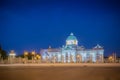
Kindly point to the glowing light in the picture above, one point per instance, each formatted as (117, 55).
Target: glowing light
(33, 53)
(25, 53)
(12, 53)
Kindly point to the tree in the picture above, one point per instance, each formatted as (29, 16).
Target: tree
(3, 54)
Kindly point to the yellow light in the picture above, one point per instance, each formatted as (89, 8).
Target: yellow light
(110, 57)
(37, 55)
(33, 53)
(25, 53)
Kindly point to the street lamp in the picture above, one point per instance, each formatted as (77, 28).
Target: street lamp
(25, 54)
(33, 55)
(38, 57)
(12, 56)
(110, 58)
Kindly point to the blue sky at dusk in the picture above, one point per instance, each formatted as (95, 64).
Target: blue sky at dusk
(35, 24)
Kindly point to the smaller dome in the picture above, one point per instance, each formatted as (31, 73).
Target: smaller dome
(71, 37)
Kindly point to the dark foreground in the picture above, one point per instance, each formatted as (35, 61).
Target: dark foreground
(59, 73)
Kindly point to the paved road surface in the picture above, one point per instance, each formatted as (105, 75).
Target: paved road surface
(59, 73)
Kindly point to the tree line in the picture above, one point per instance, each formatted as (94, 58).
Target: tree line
(3, 54)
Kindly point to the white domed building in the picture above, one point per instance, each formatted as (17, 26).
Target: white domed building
(72, 52)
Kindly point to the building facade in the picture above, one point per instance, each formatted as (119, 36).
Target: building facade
(71, 52)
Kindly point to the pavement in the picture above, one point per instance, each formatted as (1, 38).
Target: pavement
(68, 64)
(60, 71)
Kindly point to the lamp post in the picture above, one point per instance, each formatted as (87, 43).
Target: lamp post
(33, 56)
(12, 56)
(25, 56)
(110, 59)
(38, 57)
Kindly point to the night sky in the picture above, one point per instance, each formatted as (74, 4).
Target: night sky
(35, 24)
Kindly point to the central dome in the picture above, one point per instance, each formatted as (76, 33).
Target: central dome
(71, 40)
(71, 37)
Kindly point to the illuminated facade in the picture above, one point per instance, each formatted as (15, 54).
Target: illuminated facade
(71, 52)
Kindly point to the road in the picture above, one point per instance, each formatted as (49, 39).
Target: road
(53, 72)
